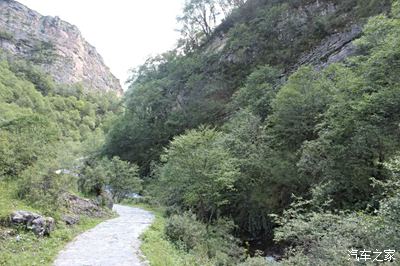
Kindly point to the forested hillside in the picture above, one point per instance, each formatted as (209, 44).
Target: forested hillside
(45, 130)
(258, 133)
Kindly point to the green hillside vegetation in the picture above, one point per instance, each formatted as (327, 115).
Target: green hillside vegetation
(301, 164)
(44, 127)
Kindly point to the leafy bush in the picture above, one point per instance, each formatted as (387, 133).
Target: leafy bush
(325, 237)
(198, 173)
(93, 177)
(214, 241)
(43, 52)
(255, 261)
(43, 188)
(119, 177)
(185, 231)
(5, 35)
(23, 141)
(43, 82)
(123, 179)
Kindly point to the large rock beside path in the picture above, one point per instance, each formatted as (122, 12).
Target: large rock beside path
(40, 225)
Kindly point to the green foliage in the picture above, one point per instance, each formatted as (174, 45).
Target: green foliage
(119, 177)
(255, 261)
(198, 173)
(162, 252)
(156, 111)
(17, 92)
(321, 237)
(185, 231)
(23, 142)
(25, 70)
(214, 241)
(123, 179)
(94, 177)
(7, 36)
(9, 200)
(43, 52)
(298, 107)
(259, 91)
(43, 187)
(358, 132)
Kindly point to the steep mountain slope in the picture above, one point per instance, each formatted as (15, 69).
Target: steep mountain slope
(175, 91)
(57, 46)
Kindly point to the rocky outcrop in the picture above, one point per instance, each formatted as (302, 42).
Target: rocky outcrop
(79, 206)
(333, 49)
(40, 225)
(55, 45)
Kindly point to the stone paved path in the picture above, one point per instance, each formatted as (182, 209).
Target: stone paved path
(112, 243)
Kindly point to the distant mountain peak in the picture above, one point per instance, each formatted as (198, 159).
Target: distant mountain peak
(57, 46)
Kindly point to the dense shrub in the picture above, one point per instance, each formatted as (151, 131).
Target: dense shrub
(185, 231)
(43, 188)
(214, 241)
(197, 173)
(325, 237)
(118, 177)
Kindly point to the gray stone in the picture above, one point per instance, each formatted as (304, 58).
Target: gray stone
(40, 225)
(80, 206)
(332, 49)
(70, 219)
(43, 226)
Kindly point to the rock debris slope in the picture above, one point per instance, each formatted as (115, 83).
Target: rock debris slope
(111, 243)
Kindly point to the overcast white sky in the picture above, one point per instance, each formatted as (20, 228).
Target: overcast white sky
(124, 32)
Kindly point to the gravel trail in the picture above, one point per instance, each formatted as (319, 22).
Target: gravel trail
(112, 243)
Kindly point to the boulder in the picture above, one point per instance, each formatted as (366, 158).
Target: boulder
(23, 217)
(40, 225)
(80, 206)
(70, 219)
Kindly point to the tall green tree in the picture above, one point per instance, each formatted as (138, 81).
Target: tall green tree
(198, 173)
(123, 179)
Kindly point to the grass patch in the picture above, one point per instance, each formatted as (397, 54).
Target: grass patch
(23, 248)
(8, 201)
(31, 250)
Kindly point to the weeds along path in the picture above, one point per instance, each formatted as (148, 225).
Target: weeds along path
(113, 242)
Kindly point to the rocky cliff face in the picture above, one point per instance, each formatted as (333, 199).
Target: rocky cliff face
(310, 32)
(55, 45)
(332, 49)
